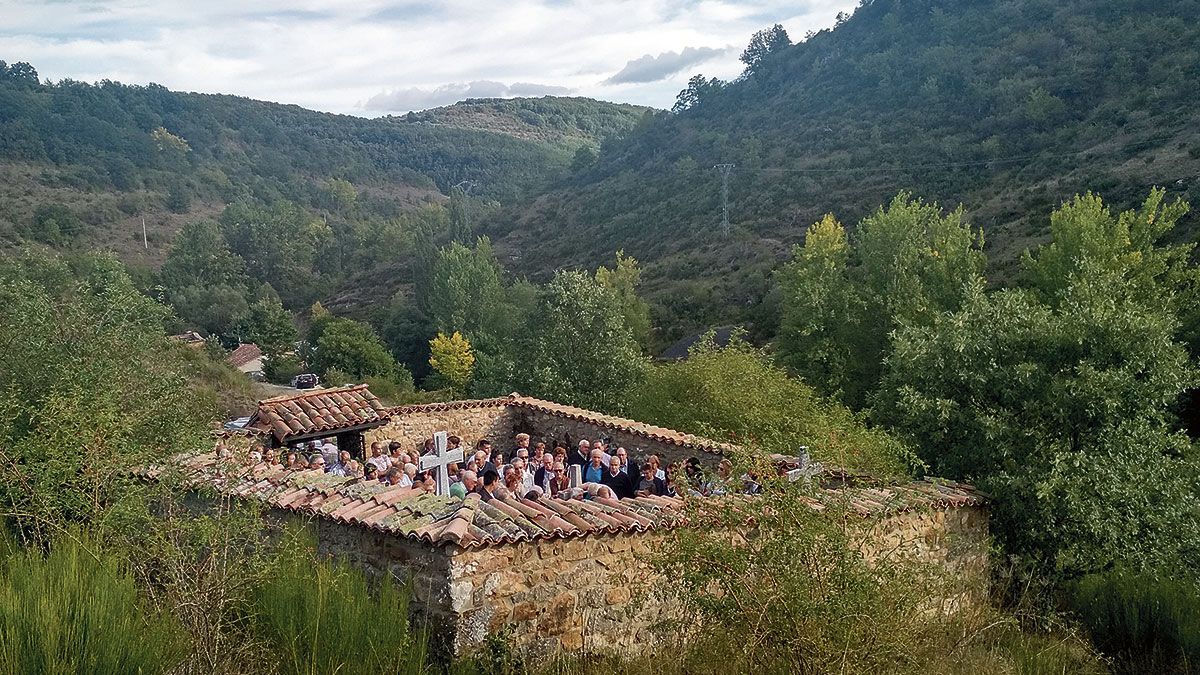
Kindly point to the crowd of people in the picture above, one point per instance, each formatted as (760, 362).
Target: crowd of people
(521, 472)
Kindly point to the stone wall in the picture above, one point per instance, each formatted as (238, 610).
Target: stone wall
(554, 595)
(954, 538)
(562, 430)
(412, 425)
(559, 594)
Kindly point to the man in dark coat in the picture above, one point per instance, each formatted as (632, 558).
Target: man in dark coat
(617, 481)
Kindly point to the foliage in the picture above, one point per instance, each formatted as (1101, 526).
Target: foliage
(201, 565)
(624, 279)
(322, 618)
(280, 243)
(78, 610)
(1006, 106)
(1147, 624)
(1061, 406)
(797, 594)
(906, 264)
(281, 369)
(89, 388)
(585, 353)
(466, 290)
(736, 393)
(764, 43)
(270, 326)
(354, 348)
(452, 360)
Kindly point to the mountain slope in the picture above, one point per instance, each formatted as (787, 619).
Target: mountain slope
(1007, 107)
(569, 122)
(94, 151)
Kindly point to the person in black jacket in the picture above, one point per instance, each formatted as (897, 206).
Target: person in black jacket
(629, 467)
(580, 455)
(545, 472)
(617, 481)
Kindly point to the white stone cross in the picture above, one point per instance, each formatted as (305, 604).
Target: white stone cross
(576, 473)
(441, 460)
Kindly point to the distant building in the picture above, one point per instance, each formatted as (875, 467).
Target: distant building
(247, 358)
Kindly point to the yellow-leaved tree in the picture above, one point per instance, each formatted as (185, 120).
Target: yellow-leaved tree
(452, 360)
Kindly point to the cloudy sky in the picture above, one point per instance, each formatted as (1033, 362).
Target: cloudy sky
(375, 57)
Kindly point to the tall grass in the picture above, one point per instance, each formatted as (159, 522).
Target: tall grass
(1143, 622)
(77, 611)
(322, 617)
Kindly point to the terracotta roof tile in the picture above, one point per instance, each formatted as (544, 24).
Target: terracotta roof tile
(320, 411)
(245, 353)
(415, 514)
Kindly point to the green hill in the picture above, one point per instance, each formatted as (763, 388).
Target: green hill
(83, 164)
(1007, 107)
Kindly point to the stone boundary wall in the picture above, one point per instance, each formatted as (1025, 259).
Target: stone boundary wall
(560, 595)
(559, 429)
(581, 594)
(471, 420)
(589, 593)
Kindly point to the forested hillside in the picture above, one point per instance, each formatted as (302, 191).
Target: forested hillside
(1008, 107)
(83, 163)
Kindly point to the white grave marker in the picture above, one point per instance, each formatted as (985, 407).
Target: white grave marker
(441, 460)
(576, 473)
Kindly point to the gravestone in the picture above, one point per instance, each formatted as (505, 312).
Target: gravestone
(440, 460)
(576, 474)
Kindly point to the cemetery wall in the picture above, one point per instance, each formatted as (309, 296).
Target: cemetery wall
(470, 420)
(551, 595)
(592, 593)
(556, 428)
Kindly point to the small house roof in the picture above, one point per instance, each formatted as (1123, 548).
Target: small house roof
(320, 412)
(245, 353)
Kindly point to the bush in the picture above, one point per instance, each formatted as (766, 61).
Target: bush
(322, 618)
(737, 394)
(77, 611)
(797, 594)
(1146, 623)
(281, 369)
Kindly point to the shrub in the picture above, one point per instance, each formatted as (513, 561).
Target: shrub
(77, 611)
(736, 393)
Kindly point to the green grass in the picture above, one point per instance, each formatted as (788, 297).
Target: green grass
(322, 617)
(78, 611)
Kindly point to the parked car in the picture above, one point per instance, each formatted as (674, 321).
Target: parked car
(306, 381)
(239, 423)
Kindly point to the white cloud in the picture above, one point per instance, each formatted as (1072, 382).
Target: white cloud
(369, 56)
(653, 68)
(415, 98)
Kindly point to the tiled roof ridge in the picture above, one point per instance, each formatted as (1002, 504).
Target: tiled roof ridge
(311, 392)
(449, 405)
(420, 516)
(643, 429)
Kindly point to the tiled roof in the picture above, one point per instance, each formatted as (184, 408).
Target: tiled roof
(649, 431)
(245, 353)
(421, 516)
(319, 411)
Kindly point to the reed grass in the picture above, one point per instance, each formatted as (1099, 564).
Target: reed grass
(1144, 622)
(78, 611)
(323, 617)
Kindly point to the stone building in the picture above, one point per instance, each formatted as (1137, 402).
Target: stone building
(542, 568)
(345, 413)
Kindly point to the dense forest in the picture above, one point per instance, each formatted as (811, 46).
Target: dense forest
(1007, 107)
